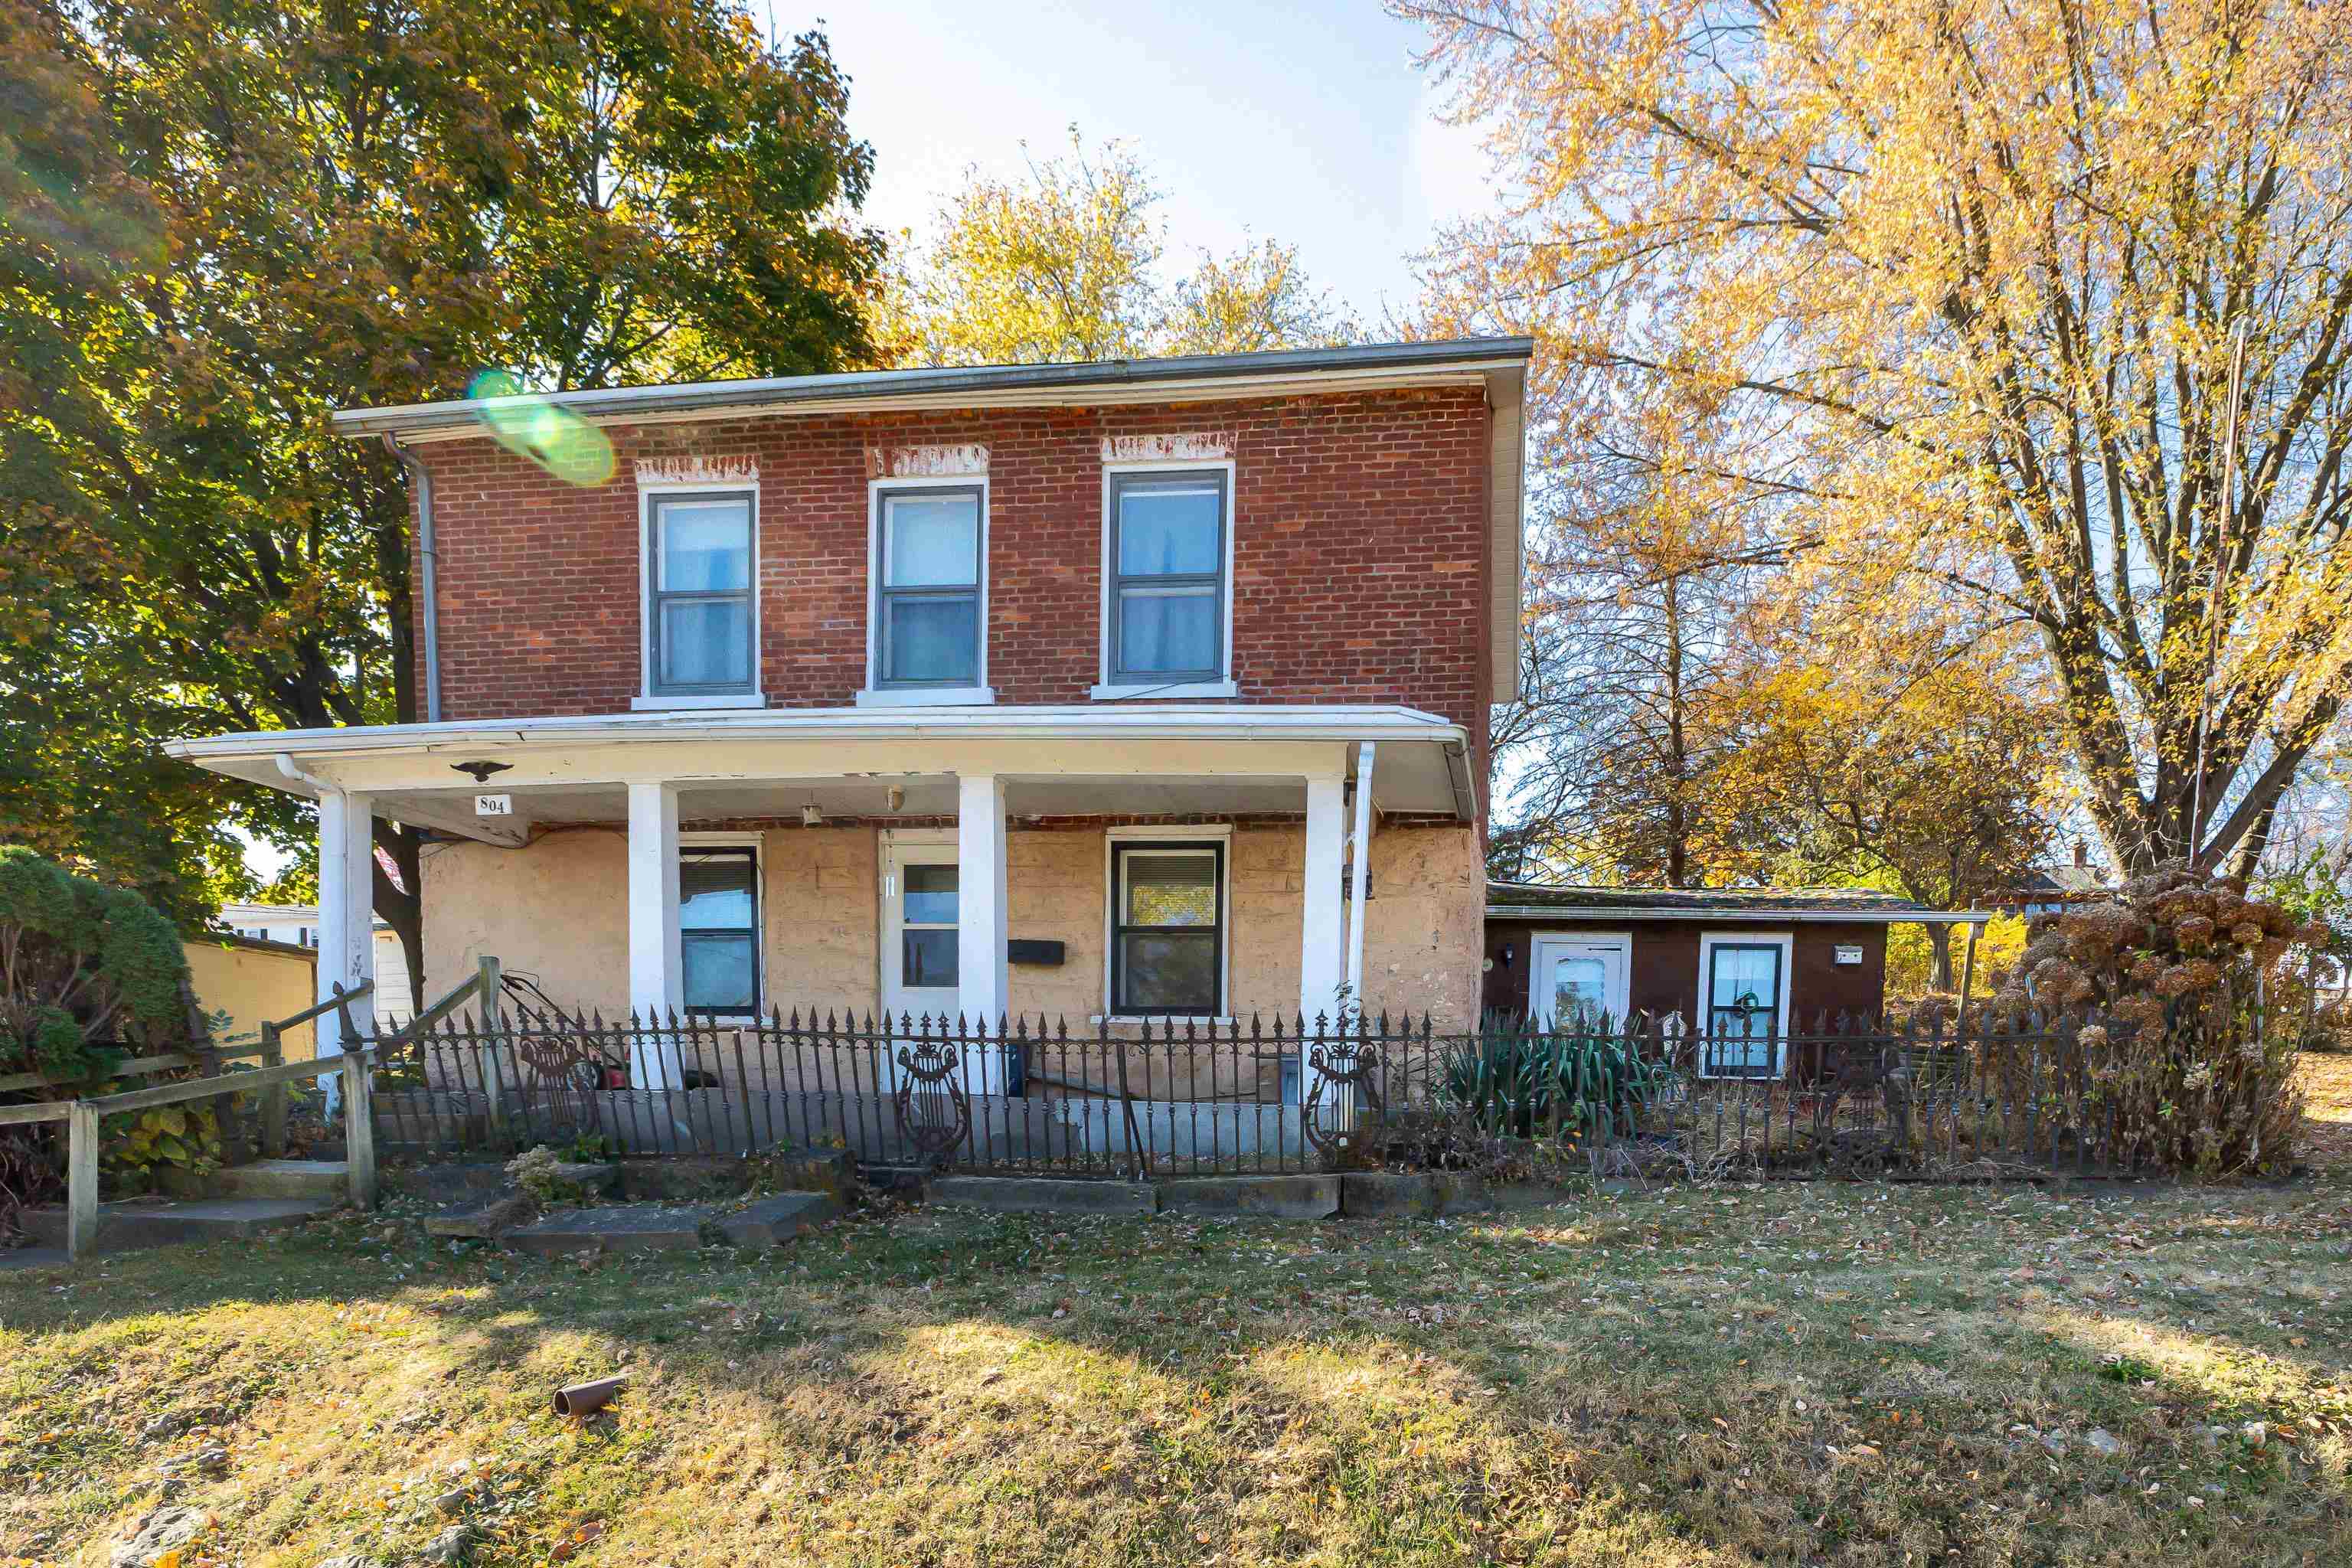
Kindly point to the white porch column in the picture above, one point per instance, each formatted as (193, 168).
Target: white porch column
(346, 919)
(1359, 870)
(654, 960)
(1321, 965)
(983, 987)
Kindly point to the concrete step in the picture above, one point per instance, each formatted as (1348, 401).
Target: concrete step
(326, 1179)
(134, 1224)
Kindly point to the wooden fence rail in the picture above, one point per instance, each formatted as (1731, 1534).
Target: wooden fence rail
(353, 1066)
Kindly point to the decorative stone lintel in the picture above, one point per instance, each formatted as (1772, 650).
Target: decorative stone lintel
(970, 459)
(697, 471)
(1198, 446)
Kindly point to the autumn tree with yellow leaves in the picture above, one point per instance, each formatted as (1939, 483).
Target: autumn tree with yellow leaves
(1969, 279)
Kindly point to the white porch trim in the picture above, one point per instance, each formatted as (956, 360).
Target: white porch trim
(346, 917)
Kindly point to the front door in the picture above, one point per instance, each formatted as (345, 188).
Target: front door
(1576, 981)
(919, 930)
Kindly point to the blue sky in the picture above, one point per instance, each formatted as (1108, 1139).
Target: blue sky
(1302, 122)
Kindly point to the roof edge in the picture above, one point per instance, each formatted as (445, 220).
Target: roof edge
(883, 388)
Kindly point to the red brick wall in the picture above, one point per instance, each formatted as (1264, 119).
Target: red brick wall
(1359, 554)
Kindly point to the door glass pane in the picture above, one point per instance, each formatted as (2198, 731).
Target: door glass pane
(928, 958)
(1168, 529)
(706, 642)
(932, 639)
(714, 893)
(1744, 990)
(718, 969)
(1162, 629)
(1580, 988)
(706, 546)
(930, 896)
(932, 541)
(1170, 889)
(1168, 972)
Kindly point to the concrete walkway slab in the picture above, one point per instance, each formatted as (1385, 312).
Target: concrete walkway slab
(1045, 1194)
(624, 1227)
(772, 1221)
(131, 1223)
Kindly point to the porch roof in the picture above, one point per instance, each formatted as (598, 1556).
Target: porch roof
(754, 763)
(1863, 906)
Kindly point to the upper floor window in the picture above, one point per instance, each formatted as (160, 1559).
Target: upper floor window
(702, 623)
(1166, 606)
(928, 602)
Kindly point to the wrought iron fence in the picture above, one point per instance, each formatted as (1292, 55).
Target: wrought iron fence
(1848, 1096)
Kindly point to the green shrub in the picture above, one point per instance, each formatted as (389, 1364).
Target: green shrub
(1521, 1082)
(81, 964)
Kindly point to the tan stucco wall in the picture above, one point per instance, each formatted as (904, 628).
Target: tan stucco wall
(557, 912)
(252, 987)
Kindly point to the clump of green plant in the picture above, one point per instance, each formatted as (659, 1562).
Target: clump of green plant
(541, 1173)
(2194, 996)
(86, 972)
(1523, 1082)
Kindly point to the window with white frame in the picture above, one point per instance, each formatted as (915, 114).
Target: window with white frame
(700, 619)
(1168, 939)
(1167, 578)
(930, 554)
(719, 928)
(1743, 1005)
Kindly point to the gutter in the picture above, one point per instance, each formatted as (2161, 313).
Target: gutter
(430, 587)
(1585, 914)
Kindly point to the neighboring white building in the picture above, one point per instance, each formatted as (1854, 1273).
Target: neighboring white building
(298, 924)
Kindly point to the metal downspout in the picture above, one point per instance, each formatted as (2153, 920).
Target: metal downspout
(429, 589)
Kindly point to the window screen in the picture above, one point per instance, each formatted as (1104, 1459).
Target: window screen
(719, 930)
(1168, 916)
(1168, 577)
(701, 595)
(930, 598)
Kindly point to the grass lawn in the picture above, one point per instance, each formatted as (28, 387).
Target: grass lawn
(1806, 1372)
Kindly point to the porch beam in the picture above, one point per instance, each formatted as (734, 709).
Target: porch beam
(346, 919)
(982, 983)
(655, 958)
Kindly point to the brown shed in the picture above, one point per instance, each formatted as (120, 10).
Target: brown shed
(1781, 955)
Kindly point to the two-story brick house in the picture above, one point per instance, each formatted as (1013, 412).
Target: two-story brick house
(1101, 691)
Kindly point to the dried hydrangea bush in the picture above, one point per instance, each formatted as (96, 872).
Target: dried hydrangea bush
(2190, 1002)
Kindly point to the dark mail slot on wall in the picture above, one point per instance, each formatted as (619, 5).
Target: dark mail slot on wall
(1016, 951)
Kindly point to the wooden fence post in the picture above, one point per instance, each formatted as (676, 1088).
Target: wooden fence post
(487, 996)
(81, 1179)
(273, 1099)
(359, 1127)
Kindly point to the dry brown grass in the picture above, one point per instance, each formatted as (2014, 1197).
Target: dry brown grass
(1800, 1374)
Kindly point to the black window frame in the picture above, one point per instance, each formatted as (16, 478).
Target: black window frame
(886, 596)
(749, 853)
(1119, 929)
(1114, 671)
(658, 598)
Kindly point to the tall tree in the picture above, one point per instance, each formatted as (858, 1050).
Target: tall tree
(319, 205)
(1069, 262)
(1927, 769)
(1985, 265)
